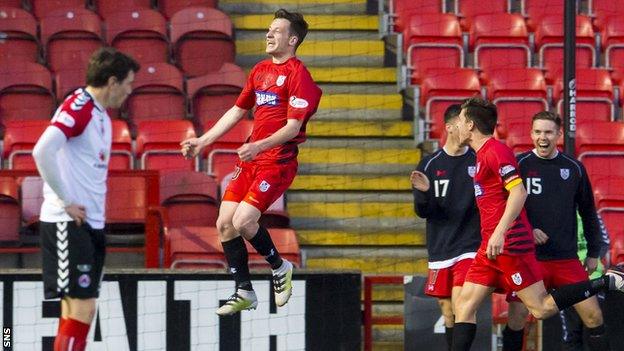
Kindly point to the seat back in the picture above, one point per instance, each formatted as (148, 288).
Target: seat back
(106, 8)
(203, 40)
(25, 92)
(43, 8)
(190, 198)
(142, 33)
(158, 94)
(19, 39)
(158, 144)
(31, 196)
(500, 41)
(19, 140)
(10, 216)
(170, 7)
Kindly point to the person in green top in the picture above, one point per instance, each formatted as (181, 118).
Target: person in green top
(571, 323)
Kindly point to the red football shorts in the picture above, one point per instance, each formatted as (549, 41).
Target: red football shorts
(506, 272)
(557, 273)
(441, 281)
(260, 185)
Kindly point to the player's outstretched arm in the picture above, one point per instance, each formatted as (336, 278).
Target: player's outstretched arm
(44, 153)
(248, 151)
(192, 147)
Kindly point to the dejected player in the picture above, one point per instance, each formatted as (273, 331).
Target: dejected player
(285, 97)
(72, 157)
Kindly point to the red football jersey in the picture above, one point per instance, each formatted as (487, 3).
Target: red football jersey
(497, 173)
(279, 92)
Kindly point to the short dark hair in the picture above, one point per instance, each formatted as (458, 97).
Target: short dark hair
(548, 116)
(107, 62)
(451, 112)
(297, 24)
(482, 113)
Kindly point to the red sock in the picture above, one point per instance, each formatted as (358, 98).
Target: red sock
(72, 336)
(61, 322)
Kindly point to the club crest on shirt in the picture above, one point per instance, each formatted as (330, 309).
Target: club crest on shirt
(280, 80)
(298, 102)
(84, 280)
(472, 170)
(516, 278)
(565, 173)
(264, 186)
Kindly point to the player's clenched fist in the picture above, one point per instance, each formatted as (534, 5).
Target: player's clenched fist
(190, 147)
(419, 181)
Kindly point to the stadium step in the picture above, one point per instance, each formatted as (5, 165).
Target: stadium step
(360, 142)
(362, 156)
(315, 22)
(370, 265)
(321, 53)
(346, 238)
(303, 6)
(353, 74)
(358, 129)
(350, 210)
(351, 182)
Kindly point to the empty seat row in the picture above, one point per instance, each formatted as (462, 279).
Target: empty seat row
(502, 41)
(199, 40)
(26, 93)
(518, 94)
(105, 8)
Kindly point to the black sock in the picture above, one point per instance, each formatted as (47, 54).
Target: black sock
(463, 335)
(512, 339)
(569, 295)
(236, 256)
(598, 340)
(264, 245)
(448, 332)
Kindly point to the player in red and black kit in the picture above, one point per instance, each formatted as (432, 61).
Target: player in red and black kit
(442, 185)
(285, 97)
(506, 259)
(552, 177)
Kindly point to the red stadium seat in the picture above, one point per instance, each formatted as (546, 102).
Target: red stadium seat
(43, 8)
(469, 9)
(158, 145)
(158, 93)
(441, 88)
(597, 136)
(140, 33)
(609, 192)
(549, 43)
(432, 41)
(603, 164)
(68, 79)
(31, 197)
(594, 95)
(213, 94)
(613, 42)
(401, 11)
(19, 140)
(535, 10)
(70, 37)
(10, 216)
(200, 247)
(500, 41)
(614, 221)
(25, 92)
(221, 163)
(189, 197)
(106, 8)
(203, 40)
(19, 36)
(121, 154)
(170, 7)
(126, 200)
(518, 94)
(17, 4)
(602, 9)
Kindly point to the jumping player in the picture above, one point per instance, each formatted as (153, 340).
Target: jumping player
(506, 258)
(442, 185)
(72, 157)
(285, 97)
